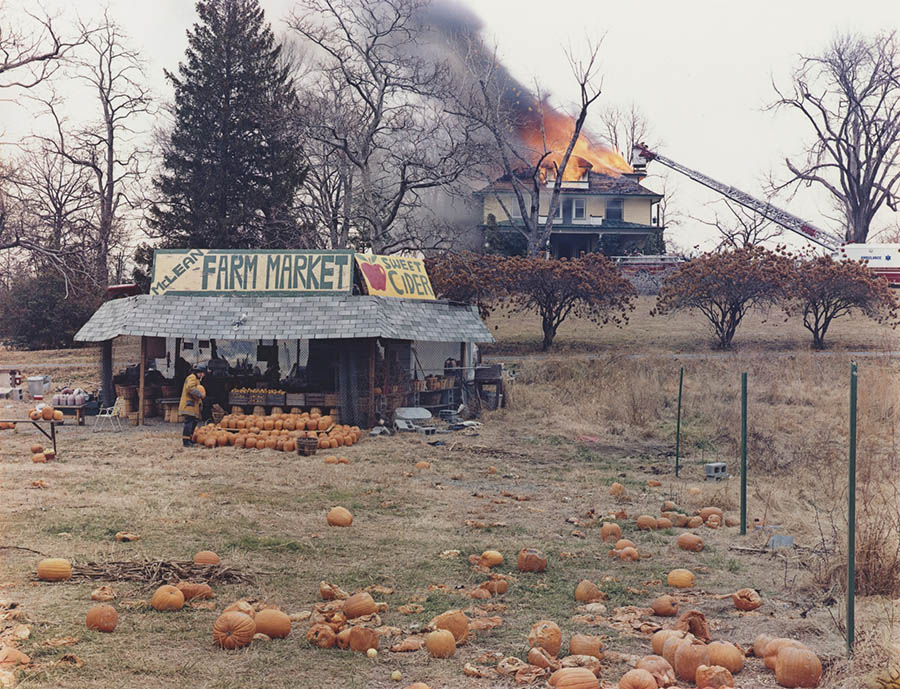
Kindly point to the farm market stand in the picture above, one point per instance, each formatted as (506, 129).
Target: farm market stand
(355, 336)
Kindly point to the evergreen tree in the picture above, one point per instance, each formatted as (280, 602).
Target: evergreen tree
(232, 166)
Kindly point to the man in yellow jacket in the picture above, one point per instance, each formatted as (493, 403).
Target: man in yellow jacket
(192, 395)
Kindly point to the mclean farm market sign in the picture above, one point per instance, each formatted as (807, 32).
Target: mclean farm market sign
(247, 272)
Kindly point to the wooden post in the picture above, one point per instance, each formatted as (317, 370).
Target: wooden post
(141, 381)
(371, 418)
(106, 373)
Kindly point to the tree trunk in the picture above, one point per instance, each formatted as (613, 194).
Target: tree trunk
(549, 334)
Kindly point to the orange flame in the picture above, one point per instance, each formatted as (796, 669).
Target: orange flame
(586, 155)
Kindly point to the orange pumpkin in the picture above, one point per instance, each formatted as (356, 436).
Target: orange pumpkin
(773, 648)
(321, 635)
(746, 599)
(584, 645)
(339, 516)
(454, 621)
(689, 656)
(587, 592)
(273, 623)
(440, 643)
(713, 677)
(610, 531)
(646, 523)
(206, 557)
(637, 679)
(362, 639)
(358, 604)
(665, 606)
(690, 541)
(531, 560)
(192, 591)
(797, 667)
(233, 630)
(659, 668)
(574, 678)
(102, 618)
(54, 569)
(167, 598)
(547, 635)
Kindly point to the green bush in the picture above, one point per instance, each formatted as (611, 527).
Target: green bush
(38, 314)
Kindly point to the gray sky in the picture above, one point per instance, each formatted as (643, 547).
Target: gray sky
(701, 71)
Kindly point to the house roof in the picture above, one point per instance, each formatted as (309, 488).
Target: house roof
(598, 183)
(287, 318)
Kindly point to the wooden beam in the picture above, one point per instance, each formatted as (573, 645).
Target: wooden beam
(371, 416)
(141, 381)
(106, 373)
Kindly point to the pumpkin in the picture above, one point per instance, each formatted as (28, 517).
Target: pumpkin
(726, 655)
(331, 459)
(694, 522)
(210, 441)
(167, 598)
(587, 592)
(35, 449)
(241, 606)
(39, 458)
(637, 679)
(339, 516)
(250, 442)
(797, 667)
(658, 640)
(324, 423)
(418, 685)
(665, 606)
(54, 569)
(440, 643)
(547, 635)
(357, 605)
(659, 668)
(690, 655)
(646, 523)
(490, 558)
(681, 578)
(679, 520)
(690, 541)
(454, 621)
(707, 512)
(233, 630)
(713, 677)
(342, 640)
(496, 587)
(34, 415)
(746, 599)
(773, 648)
(103, 593)
(671, 647)
(617, 489)
(584, 645)
(760, 643)
(47, 413)
(102, 618)
(623, 543)
(668, 506)
(713, 522)
(206, 557)
(610, 531)
(574, 678)
(362, 639)
(240, 441)
(531, 560)
(629, 554)
(192, 591)
(322, 635)
(538, 656)
(663, 523)
(273, 623)
(423, 465)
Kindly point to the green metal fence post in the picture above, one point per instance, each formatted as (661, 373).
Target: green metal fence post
(743, 453)
(851, 517)
(678, 424)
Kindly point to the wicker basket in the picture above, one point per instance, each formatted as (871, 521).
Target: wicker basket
(133, 418)
(307, 447)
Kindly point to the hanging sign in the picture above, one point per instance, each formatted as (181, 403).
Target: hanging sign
(395, 276)
(252, 271)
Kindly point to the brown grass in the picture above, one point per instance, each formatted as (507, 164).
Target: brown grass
(575, 426)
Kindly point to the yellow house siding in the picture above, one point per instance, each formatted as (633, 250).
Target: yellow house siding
(637, 210)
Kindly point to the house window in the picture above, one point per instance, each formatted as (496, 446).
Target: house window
(578, 209)
(614, 209)
(558, 214)
(512, 203)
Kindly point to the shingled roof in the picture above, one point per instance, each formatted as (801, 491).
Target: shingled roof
(598, 183)
(285, 318)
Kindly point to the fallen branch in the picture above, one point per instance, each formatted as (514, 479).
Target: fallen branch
(160, 571)
(19, 547)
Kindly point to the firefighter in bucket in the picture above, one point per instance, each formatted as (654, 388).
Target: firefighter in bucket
(192, 403)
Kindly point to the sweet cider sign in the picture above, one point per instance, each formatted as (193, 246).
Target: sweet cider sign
(395, 276)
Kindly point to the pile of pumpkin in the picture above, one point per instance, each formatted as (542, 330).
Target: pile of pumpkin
(41, 456)
(45, 413)
(277, 432)
(7, 425)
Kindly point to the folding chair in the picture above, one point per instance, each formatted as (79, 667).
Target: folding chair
(111, 414)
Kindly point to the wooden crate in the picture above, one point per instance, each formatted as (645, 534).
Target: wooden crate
(238, 398)
(295, 399)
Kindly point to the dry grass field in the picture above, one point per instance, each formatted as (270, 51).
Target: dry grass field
(574, 426)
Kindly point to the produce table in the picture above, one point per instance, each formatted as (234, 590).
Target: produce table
(77, 408)
(51, 436)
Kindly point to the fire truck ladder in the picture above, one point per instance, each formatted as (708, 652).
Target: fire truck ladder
(766, 210)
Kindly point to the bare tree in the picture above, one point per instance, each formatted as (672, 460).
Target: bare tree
(106, 150)
(375, 117)
(850, 98)
(29, 56)
(741, 227)
(486, 103)
(625, 127)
